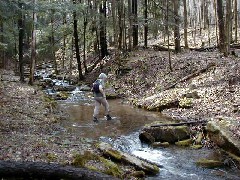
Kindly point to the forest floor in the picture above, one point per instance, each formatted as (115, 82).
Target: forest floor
(29, 123)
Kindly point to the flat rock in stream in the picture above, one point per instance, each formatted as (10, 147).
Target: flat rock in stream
(219, 133)
(173, 98)
(140, 164)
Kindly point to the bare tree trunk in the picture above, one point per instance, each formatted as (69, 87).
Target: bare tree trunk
(114, 22)
(130, 25)
(75, 34)
(120, 24)
(135, 22)
(236, 20)
(33, 48)
(2, 62)
(85, 22)
(185, 24)
(103, 38)
(216, 21)
(167, 29)
(222, 35)
(176, 26)
(195, 23)
(64, 40)
(146, 23)
(124, 30)
(53, 41)
(228, 25)
(20, 41)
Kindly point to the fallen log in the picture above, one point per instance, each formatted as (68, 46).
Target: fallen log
(204, 49)
(236, 46)
(182, 123)
(41, 170)
(139, 164)
(190, 76)
(161, 48)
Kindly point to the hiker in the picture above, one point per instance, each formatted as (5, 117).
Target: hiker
(100, 97)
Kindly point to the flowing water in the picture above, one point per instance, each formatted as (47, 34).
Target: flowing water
(122, 132)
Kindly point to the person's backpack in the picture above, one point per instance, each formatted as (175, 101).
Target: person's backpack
(95, 87)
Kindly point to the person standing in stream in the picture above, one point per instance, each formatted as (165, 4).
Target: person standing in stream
(98, 90)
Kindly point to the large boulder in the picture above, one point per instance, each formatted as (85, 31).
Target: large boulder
(169, 134)
(172, 98)
(219, 132)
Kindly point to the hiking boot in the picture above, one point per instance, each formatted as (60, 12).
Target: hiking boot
(95, 119)
(108, 117)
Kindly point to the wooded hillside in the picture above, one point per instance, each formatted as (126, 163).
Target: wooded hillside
(77, 35)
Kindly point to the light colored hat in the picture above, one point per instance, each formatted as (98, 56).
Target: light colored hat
(102, 76)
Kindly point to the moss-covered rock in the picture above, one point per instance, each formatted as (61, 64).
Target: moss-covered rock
(97, 163)
(126, 158)
(138, 174)
(146, 137)
(196, 146)
(219, 133)
(208, 163)
(186, 102)
(160, 144)
(186, 142)
(169, 134)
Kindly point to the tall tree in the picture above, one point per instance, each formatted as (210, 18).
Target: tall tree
(52, 41)
(167, 30)
(76, 41)
(216, 19)
(236, 19)
(103, 38)
(135, 22)
(120, 24)
(85, 22)
(145, 23)
(176, 26)
(130, 19)
(221, 27)
(64, 39)
(228, 23)
(185, 24)
(2, 57)
(33, 47)
(20, 40)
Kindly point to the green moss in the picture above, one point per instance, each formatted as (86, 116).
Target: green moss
(138, 174)
(80, 160)
(196, 146)
(51, 157)
(155, 169)
(63, 95)
(159, 144)
(114, 153)
(186, 142)
(111, 168)
(49, 102)
(186, 102)
(97, 163)
(208, 163)
(235, 157)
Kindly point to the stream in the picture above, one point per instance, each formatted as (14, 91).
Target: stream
(122, 132)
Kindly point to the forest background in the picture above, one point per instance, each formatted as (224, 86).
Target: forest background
(69, 33)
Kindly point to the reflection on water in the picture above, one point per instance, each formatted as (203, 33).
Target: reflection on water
(122, 132)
